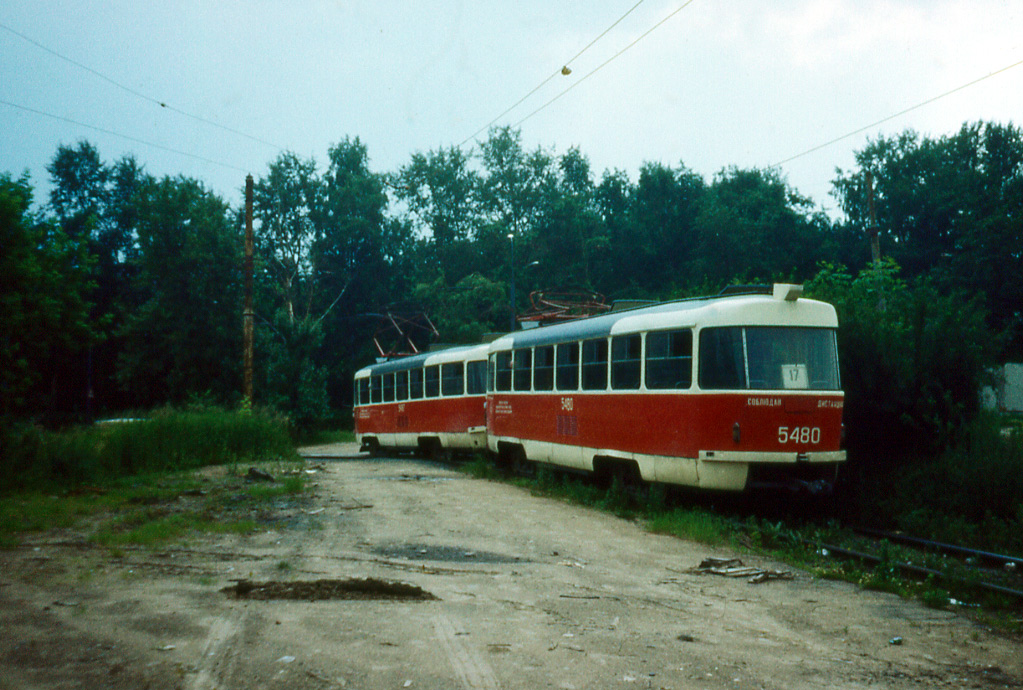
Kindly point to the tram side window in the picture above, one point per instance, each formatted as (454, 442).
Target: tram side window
(364, 391)
(401, 385)
(595, 365)
(543, 368)
(415, 384)
(669, 359)
(567, 366)
(626, 354)
(452, 379)
(376, 390)
(476, 377)
(522, 368)
(388, 387)
(503, 375)
(722, 363)
(432, 381)
(491, 372)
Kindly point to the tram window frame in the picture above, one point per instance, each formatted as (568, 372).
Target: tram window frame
(503, 371)
(594, 358)
(671, 370)
(566, 368)
(476, 377)
(543, 368)
(452, 379)
(415, 384)
(522, 370)
(389, 387)
(376, 389)
(364, 391)
(626, 361)
(431, 381)
(401, 385)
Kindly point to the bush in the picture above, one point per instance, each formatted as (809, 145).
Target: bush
(912, 372)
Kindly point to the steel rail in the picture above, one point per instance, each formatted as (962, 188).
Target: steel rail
(915, 569)
(995, 558)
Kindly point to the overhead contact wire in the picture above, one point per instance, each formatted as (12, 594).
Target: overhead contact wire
(122, 136)
(898, 114)
(606, 62)
(136, 93)
(554, 74)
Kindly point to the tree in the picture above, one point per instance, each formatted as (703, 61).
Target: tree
(44, 288)
(183, 337)
(948, 207)
(754, 227)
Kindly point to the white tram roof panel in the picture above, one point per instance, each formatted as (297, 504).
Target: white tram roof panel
(460, 353)
(783, 308)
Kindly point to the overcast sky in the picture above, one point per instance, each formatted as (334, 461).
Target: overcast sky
(721, 83)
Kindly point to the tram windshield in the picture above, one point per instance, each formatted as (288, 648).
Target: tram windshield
(768, 358)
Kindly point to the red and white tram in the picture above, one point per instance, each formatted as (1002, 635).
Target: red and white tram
(433, 402)
(723, 393)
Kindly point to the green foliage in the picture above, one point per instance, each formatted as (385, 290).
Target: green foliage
(970, 494)
(44, 290)
(913, 360)
(947, 207)
(183, 337)
(168, 440)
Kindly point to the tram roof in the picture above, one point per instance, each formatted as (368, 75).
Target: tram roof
(451, 354)
(740, 309)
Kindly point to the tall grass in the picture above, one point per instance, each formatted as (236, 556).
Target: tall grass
(167, 440)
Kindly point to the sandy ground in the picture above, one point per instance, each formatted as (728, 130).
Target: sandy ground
(514, 591)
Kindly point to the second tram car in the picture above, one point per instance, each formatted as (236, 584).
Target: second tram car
(721, 393)
(432, 402)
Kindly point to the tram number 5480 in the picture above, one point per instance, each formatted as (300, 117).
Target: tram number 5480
(799, 434)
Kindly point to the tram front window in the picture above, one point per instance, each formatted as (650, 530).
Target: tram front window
(768, 358)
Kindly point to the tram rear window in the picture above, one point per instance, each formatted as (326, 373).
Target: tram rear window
(476, 377)
(364, 391)
(594, 365)
(669, 359)
(432, 381)
(376, 389)
(768, 358)
(503, 371)
(452, 381)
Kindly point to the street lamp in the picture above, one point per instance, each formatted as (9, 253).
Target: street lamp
(511, 236)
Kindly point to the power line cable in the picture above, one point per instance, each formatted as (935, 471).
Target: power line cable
(606, 62)
(555, 73)
(137, 93)
(892, 117)
(122, 136)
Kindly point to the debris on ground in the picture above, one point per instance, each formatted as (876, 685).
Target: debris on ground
(258, 475)
(733, 567)
(365, 589)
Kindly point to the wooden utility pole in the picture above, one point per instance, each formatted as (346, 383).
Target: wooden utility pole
(248, 314)
(875, 243)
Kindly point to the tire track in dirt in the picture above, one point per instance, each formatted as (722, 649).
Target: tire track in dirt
(471, 669)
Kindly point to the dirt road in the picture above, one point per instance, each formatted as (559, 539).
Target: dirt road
(501, 590)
